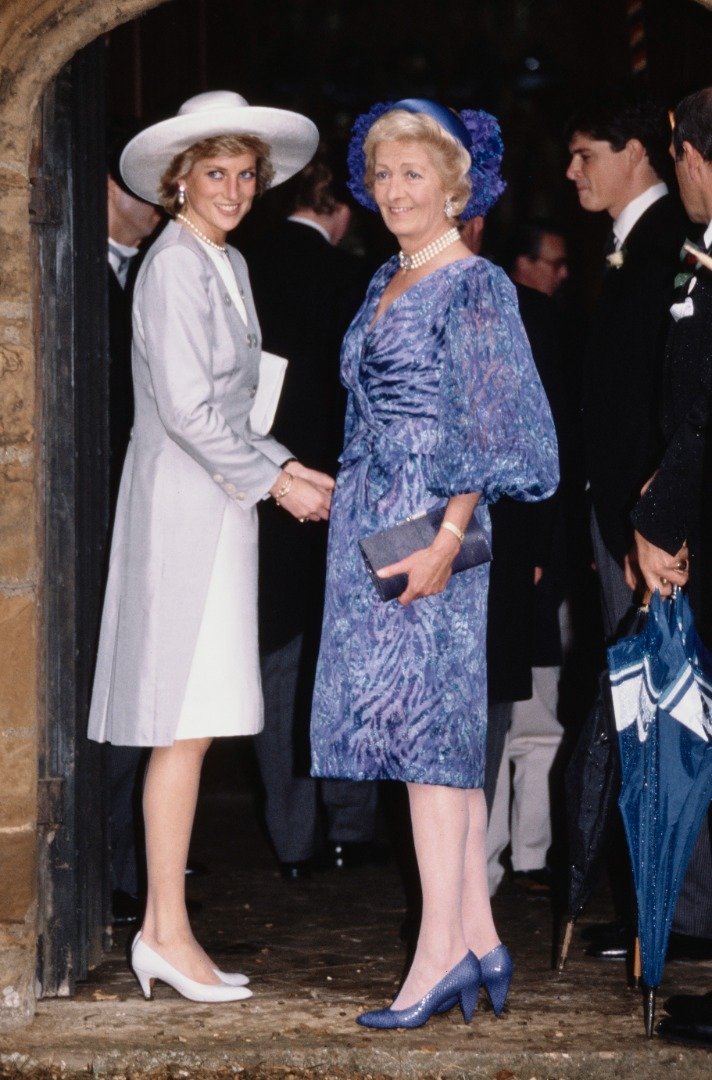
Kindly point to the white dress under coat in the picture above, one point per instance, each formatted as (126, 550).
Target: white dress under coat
(192, 457)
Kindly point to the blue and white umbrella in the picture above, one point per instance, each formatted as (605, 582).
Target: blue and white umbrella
(661, 685)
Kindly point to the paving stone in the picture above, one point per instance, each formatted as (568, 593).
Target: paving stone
(321, 951)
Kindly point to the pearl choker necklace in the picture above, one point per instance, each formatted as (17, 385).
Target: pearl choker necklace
(412, 262)
(203, 237)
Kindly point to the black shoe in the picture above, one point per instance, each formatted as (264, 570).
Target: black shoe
(296, 871)
(691, 1008)
(534, 881)
(125, 908)
(196, 869)
(689, 1033)
(610, 941)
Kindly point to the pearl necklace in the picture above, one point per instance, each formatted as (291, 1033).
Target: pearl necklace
(196, 230)
(412, 262)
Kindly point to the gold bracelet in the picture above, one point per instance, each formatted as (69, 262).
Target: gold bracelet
(285, 488)
(451, 527)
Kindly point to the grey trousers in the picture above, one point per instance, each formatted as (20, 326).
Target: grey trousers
(293, 798)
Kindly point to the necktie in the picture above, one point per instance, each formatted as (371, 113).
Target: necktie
(610, 245)
(122, 263)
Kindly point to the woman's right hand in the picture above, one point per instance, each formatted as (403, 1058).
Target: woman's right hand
(304, 500)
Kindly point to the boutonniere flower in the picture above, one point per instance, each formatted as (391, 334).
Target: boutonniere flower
(699, 257)
(693, 258)
(616, 259)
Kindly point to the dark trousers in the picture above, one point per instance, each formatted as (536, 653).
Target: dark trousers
(126, 768)
(293, 798)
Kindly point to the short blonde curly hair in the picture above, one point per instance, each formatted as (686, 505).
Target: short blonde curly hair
(230, 145)
(450, 157)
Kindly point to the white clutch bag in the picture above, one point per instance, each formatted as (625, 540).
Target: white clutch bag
(272, 371)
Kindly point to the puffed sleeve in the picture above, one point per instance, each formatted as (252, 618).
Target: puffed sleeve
(173, 315)
(495, 430)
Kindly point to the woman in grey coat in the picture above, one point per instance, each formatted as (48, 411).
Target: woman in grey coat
(178, 659)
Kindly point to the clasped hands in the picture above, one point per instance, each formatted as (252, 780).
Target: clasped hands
(309, 497)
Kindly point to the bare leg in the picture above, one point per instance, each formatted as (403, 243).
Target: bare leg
(478, 925)
(169, 800)
(439, 817)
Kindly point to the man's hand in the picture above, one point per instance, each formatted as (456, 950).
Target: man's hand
(660, 569)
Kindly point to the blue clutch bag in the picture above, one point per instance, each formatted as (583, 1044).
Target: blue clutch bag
(395, 543)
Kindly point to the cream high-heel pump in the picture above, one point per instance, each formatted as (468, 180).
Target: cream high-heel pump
(230, 978)
(149, 966)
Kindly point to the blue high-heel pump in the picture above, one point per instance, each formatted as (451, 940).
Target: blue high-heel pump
(462, 983)
(496, 971)
(496, 968)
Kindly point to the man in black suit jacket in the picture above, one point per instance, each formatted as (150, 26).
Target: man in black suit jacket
(306, 292)
(619, 157)
(672, 518)
(130, 222)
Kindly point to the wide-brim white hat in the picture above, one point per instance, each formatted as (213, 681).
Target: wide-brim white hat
(291, 137)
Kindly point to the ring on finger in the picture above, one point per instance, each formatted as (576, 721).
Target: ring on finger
(681, 565)
(302, 520)
(663, 581)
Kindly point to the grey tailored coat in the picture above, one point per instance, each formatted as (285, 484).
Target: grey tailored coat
(195, 368)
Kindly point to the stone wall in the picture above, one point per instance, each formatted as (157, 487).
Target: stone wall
(37, 37)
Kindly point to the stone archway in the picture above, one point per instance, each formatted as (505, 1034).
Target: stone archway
(37, 37)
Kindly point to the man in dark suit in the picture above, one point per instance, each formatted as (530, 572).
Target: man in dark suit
(619, 160)
(306, 292)
(130, 222)
(672, 518)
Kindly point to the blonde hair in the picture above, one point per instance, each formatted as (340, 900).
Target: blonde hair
(230, 145)
(450, 157)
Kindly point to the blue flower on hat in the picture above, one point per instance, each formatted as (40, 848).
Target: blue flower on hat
(485, 149)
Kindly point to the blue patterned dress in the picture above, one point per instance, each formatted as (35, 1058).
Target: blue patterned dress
(444, 399)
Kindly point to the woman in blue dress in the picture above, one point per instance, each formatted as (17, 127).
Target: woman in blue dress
(445, 408)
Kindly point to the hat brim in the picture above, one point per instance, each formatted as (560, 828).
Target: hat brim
(291, 137)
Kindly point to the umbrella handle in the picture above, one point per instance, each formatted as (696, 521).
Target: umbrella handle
(566, 945)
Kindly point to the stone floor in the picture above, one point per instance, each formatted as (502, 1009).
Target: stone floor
(321, 951)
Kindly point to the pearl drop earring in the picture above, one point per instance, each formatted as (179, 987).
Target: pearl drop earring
(448, 207)
(181, 196)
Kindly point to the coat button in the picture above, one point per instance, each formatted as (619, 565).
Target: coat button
(228, 301)
(230, 489)
(218, 478)
(253, 391)
(240, 495)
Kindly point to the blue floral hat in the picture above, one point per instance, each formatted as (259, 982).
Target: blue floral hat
(478, 131)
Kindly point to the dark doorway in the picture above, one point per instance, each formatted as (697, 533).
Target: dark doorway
(68, 210)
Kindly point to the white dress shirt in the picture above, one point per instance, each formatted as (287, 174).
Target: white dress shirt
(635, 209)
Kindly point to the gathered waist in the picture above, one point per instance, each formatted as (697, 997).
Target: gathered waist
(397, 441)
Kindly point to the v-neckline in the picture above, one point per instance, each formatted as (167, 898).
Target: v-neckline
(376, 321)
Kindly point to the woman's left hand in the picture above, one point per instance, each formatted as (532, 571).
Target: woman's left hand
(428, 569)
